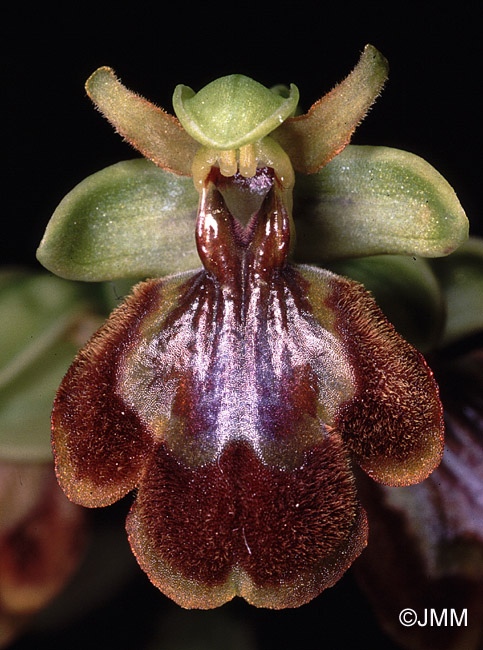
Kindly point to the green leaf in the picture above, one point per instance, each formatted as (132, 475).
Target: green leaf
(406, 290)
(156, 134)
(461, 277)
(232, 111)
(132, 219)
(376, 200)
(43, 325)
(311, 140)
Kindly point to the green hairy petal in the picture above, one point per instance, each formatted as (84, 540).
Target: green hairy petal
(313, 139)
(131, 219)
(461, 277)
(42, 326)
(376, 200)
(232, 111)
(407, 291)
(156, 134)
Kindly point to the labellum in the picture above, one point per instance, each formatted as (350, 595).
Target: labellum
(235, 397)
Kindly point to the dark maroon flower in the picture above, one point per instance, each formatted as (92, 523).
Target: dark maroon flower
(232, 398)
(42, 539)
(235, 397)
(437, 527)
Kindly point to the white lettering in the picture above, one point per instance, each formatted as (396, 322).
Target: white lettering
(463, 617)
(442, 620)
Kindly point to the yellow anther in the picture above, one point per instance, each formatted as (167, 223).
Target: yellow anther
(203, 161)
(227, 162)
(247, 161)
(271, 154)
(264, 153)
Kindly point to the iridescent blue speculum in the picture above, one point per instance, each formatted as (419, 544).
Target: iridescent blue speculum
(234, 397)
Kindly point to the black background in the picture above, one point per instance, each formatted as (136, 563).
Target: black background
(52, 138)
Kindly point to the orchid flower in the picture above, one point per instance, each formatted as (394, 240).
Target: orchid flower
(42, 534)
(235, 397)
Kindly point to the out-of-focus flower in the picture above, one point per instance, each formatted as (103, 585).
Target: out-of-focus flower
(42, 540)
(42, 535)
(426, 550)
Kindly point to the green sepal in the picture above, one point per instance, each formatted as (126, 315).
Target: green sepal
(44, 322)
(156, 134)
(131, 219)
(374, 201)
(313, 139)
(232, 111)
(406, 290)
(461, 278)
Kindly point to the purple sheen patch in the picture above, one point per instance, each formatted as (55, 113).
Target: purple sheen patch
(236, 526)
(240, 354)
(256, 367)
